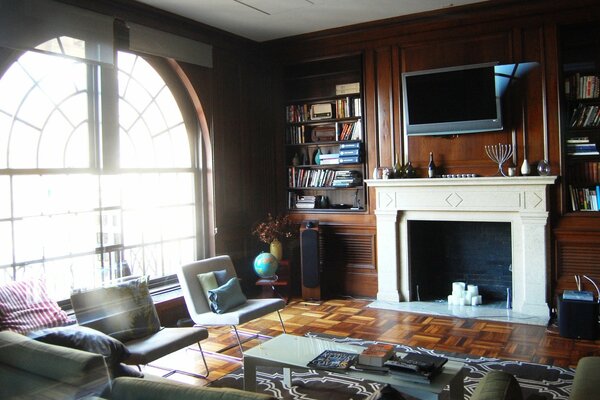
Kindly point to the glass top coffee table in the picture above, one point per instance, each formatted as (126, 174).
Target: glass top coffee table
(289, 351)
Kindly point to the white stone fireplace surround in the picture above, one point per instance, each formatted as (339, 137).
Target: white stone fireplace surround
(522, 201)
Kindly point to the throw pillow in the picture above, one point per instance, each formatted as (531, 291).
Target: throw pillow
(226, 297)
(124, 310)
(221, 277)
(25, 306)
(87, 339)
(208, 281)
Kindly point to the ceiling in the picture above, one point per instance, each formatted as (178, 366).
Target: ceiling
(263, 20)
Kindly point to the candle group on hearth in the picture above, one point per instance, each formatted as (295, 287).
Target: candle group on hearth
(464, 295)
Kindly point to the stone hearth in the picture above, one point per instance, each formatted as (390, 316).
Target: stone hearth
(521, 201)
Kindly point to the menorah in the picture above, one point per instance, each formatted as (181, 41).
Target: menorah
(499, 154)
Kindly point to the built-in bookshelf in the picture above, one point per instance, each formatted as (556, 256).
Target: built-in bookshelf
(324, 136)
(580, 50)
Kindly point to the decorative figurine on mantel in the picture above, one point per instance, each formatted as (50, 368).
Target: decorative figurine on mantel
(499, 153)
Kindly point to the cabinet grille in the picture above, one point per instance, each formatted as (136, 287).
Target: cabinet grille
(578, 260)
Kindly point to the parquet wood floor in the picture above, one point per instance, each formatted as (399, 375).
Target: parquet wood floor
(351, 317)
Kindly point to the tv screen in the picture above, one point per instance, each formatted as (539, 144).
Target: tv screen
(451, 100)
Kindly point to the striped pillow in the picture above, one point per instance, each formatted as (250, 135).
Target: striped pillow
(25, 306)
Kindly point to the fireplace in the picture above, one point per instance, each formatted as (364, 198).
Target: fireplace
(443, 252)
(522, 202)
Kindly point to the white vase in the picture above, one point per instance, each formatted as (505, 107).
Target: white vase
(525, 168)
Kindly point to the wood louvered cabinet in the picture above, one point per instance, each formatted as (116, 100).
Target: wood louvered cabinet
(577, 252)
(348, 261)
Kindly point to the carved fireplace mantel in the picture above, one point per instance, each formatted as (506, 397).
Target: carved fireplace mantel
(521, 201)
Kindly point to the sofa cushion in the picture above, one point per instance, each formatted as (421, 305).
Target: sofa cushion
(133, 389)
(585, 386)
(123, 310)
(226, 297)
(87, 339)
(25, 306)
(58, 363)
(208, 281)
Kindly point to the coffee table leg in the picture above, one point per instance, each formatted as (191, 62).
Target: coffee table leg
(287, 377)
(249, 374)
(457, 386)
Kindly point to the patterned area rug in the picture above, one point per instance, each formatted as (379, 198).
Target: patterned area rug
(538, 382)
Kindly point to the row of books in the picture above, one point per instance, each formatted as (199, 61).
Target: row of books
(585, 116)
(348, 153)
(306, 177)
(585, 198)
(582, 149)
(351, 131)
(585, 172)
(300, 134)
(580, 86)
(344, 108)
(344, 179)
(348, 107)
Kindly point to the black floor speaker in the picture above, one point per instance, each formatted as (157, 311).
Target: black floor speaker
(309, 256)
(578, 319)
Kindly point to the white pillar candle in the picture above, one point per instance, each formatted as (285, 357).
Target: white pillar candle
(450, 300)
(473, 289)
(476, 300)
(456, 286)
(468, 296)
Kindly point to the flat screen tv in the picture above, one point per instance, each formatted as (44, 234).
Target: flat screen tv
(454, 100)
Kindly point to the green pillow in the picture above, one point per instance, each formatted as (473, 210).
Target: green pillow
(226, 297)
(208, 281)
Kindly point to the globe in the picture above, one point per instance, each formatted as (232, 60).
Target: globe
(265, 265)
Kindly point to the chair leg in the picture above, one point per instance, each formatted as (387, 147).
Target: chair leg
(281, 321)
(178, 371)
(237, 335)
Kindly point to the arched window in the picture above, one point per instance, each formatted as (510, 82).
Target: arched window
(95, 182)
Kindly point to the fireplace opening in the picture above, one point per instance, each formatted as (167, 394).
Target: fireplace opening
(443, 252)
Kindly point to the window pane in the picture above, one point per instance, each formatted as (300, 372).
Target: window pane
(4, 197)
(5, 244)
(151, 123)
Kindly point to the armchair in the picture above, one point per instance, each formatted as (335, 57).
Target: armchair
(198, 305)
(125, 311)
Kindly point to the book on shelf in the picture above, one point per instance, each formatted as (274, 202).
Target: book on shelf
(588, 171)
(585, 116)
(584, 198)
(574, 149)
(580, 87)
(578, 140)
(376, 354)
(349, 152)
(350, 160)
(350, 145)
(333, 360)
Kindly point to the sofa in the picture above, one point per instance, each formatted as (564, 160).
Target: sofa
(34, 370)
(498, 385)
(30, 369)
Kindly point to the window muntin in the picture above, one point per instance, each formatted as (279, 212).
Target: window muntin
(61, 217)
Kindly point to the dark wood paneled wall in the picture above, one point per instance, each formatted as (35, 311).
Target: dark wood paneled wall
(506, 31)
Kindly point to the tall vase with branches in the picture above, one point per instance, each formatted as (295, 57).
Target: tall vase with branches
(272, 231)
